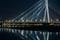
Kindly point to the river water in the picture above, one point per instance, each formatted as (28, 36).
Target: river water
(15, 34)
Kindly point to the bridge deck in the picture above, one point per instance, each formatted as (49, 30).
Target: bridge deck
(32, 26)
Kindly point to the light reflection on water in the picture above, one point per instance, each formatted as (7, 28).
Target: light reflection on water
(15, 34)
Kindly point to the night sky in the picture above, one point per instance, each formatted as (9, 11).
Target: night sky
(12, 8)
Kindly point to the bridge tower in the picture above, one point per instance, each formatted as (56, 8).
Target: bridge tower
(46, 17)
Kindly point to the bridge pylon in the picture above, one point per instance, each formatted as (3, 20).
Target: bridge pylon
(46, 17)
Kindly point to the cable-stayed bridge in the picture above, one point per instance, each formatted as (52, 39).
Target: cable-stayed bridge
(36, 18)
(36, 15)
(38, 12)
